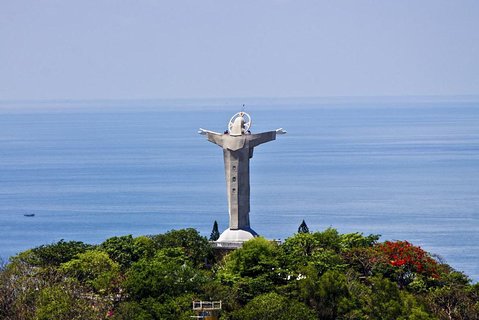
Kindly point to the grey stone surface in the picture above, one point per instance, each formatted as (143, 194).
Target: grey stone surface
(238, 145)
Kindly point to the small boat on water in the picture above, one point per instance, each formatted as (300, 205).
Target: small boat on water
(29, 214)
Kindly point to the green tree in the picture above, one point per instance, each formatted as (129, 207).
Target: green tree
(215, 234)
(320, 249)
(379, 298)
(298, 249)
(20, 283)
(17, 284)
(178, 308)
(196, 247)
(215, 291)
(454, 302)
(125, 249)
(94, 269)
(328, 294)
(304, 245)
(52, 254)
(272, 306)
(386, 299)
(65, 302)
(252, 269)
(257, 257)
(167, 275)
(357, 240)
(413, 308)
(330, 239)
(143, 247)
(361, 260)
(131, 310)
(336, 276)
(303, 228)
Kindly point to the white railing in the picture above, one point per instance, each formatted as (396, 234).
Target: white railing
(234, 244)
(207, 305)
(227, 244)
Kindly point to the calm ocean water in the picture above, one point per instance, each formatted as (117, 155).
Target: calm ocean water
(405, 169)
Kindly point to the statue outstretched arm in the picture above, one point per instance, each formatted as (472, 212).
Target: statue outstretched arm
(259, 138)
(215, 137)
(204, 132)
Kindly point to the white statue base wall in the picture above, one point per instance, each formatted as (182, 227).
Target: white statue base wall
(237, 235)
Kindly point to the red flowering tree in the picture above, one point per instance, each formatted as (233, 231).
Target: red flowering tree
(403, 261)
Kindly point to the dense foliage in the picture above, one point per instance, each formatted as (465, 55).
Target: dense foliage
(312, 275)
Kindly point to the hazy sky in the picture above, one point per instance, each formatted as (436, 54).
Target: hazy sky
(89, 49)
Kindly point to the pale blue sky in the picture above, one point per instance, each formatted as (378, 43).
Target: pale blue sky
(93, 49)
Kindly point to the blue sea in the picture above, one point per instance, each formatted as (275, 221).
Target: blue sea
(405, 168)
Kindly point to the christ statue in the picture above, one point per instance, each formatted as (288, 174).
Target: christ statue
(238, 144)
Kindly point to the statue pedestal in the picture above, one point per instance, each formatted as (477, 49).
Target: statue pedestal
(237, 235)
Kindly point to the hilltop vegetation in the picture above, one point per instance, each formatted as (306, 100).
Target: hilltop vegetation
(320, 275)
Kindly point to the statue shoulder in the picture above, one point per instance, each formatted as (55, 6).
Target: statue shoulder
(234, 143)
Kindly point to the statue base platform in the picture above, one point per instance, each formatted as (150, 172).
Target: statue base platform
(237, 235)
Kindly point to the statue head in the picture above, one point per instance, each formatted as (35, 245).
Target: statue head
(238, 125)
(237, 128)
